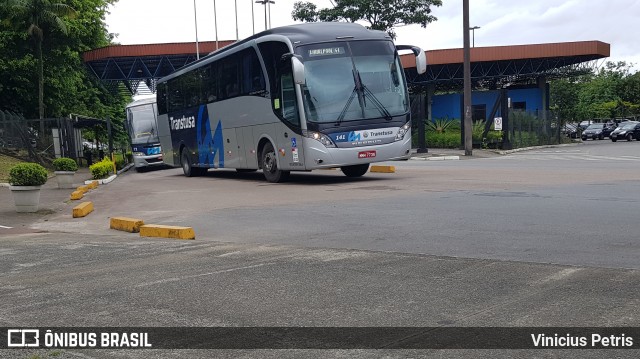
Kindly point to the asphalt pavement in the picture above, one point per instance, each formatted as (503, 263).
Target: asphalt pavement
(503, 241)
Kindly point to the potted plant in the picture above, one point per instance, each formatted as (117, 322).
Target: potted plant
(65, 168)
(25, 180)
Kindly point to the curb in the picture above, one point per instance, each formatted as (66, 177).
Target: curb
(102, 181)
(4, 185)
(536, 147)
(125, 169)
(435, 158)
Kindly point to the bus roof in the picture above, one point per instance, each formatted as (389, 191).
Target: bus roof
(299, 34)
(324, 31)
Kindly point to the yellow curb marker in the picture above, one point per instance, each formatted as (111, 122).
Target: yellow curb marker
(82, 209)
(383, 169)
(93, 185)
(131, 225)
(83, 189)
(158, 230)
(76, 195)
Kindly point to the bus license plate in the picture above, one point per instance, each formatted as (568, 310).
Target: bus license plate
(366, 154)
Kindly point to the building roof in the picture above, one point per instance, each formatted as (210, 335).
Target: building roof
(491, 67)
(496, 65)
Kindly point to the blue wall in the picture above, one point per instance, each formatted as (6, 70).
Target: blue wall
(449, 105)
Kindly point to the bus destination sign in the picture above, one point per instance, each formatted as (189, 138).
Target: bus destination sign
(327, 51)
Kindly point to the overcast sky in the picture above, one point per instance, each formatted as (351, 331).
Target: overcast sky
(502, 22)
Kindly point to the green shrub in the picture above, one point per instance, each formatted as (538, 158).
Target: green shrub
(441, 125)
(443, 140)
(65, 164)
(119, 163)
(27, 174)
(101, 169)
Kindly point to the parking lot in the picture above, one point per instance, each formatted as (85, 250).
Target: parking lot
(536, 238)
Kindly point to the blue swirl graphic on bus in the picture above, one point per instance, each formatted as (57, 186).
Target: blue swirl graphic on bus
(209, 145)
(354, 136)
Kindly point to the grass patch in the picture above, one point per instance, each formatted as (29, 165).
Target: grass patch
(6, 163)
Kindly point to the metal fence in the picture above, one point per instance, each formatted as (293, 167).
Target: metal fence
(528, 129)
(42, 140)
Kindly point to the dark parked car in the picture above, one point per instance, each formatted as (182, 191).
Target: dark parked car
(570, 130)
(627, 130)
(598, 131)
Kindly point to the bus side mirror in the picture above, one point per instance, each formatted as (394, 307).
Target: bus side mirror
(421, 62)
(298, 70)
(421, 58)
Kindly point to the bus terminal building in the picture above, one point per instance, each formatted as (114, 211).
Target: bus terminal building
(522, 70)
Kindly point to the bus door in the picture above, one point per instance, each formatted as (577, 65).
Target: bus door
(285, 105)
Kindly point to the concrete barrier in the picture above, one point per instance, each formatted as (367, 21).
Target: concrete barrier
(158, 230)
(76, 195)
(82, 209)
(383, 169)
(131, 225)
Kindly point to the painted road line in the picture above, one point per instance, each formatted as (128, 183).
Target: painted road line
(5, 227)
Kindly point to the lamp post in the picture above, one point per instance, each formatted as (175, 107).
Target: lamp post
(468, 139)
(215, 18)
(253, 19)
(195, 16)
(236, 7)
(266, 3)
(473, 34)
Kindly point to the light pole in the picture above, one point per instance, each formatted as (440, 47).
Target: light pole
(473, 34)
(215, 18)
(266, 3)
(253, 19)
(467, 124)
(236, 7)
(195, 16)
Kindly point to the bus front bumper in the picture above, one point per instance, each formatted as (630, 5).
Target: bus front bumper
(147, 161)
(318, 156)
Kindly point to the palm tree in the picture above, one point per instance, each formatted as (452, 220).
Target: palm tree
(33, 15)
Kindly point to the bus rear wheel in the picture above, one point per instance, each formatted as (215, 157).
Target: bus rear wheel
(270, 165)
(355, 170)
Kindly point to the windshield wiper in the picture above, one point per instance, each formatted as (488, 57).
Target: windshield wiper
(357, 89)
(383, 110)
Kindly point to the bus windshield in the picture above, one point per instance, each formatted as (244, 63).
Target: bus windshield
(352, 81)
(143, 126)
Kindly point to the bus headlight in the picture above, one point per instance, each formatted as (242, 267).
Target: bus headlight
(403, 131)
(324, 139)
(138, 154)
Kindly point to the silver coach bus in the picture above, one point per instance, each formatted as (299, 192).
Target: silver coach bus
(294, 98)
(142, 126)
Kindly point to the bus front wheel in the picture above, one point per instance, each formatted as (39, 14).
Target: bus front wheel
(270, 165)
(188, 168)
(355, 170)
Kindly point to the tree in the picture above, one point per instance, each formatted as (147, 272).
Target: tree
(34, 16)
(384, 15)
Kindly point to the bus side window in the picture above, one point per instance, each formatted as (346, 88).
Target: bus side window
(252, 78)
(229, 81)
(210, 84)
